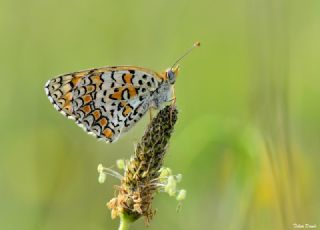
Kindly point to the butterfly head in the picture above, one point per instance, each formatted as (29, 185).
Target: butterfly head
(172, 74)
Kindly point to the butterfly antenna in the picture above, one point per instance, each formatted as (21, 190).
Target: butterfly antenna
(196, 44)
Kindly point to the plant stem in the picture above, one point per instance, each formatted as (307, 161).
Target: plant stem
(125, 222)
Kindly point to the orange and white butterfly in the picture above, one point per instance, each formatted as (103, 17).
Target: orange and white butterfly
(106, 102)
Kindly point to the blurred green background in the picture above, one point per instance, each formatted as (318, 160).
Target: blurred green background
(247, 139)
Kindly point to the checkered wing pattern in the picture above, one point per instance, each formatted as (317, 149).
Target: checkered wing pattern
(105, 102)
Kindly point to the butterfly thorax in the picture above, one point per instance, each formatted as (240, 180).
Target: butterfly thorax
(161, 95)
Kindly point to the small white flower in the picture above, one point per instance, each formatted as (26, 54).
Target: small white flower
(165, 173)
(121, 164)
(181, 195)
(178, 178)
(100, 168)
(102, 177)
(171, 186)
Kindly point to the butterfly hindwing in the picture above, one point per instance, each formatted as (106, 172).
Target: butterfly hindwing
(106, 101)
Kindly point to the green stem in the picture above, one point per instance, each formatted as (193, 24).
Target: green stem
(125, 222)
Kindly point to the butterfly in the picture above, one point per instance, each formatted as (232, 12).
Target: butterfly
(108, 101)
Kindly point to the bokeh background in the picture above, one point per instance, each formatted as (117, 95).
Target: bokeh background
(247, 139)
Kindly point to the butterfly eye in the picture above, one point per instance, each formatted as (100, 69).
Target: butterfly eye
(171, 76)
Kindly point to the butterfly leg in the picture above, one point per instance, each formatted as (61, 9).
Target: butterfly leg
(150, 113)
(173, 102)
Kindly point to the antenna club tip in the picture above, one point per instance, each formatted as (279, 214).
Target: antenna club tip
(197, 44)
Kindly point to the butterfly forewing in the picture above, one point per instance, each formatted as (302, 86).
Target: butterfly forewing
(106, 101)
